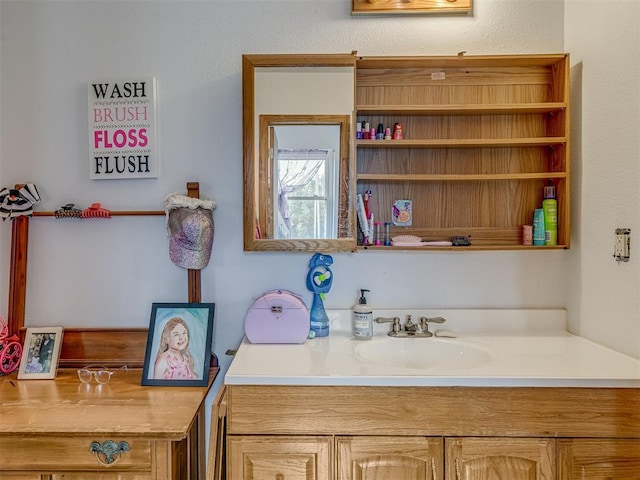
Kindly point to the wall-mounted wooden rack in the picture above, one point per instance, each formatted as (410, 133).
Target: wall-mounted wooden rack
(113, 213)
(107, 346)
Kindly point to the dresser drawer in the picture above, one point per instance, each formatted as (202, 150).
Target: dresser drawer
(74, 454)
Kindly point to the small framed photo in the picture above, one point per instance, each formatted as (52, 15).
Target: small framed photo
(40, 353)
(179, 344)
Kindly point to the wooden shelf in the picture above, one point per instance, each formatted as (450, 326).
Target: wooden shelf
(479, 109)
(463, 62)
(464, 143)
(459, 177)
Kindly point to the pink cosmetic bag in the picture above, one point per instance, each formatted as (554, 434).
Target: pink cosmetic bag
(277, 316)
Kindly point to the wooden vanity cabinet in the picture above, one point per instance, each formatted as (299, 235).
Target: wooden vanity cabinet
(392, 457)
(425, 433)
(481, 137)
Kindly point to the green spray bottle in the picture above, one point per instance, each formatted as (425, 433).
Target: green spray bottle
(550, 207)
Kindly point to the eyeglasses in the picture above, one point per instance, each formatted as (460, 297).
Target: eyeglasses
(101, 374)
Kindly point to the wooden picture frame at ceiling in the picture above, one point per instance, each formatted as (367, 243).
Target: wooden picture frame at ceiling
(372, 7)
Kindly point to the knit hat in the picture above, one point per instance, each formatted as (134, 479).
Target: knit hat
(190, 230)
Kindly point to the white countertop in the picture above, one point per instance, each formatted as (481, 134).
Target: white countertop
(528, 348)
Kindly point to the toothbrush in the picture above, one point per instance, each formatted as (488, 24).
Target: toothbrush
(362, 218)
(369, 215)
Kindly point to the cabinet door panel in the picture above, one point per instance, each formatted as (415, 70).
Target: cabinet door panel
(602, 459)
(279, 458)
(382, 458)
(500, 458)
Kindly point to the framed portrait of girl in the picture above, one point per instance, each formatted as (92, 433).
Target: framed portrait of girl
(179, 344)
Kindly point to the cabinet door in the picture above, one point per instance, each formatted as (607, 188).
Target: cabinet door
(591, 459)
(500, 458)
(382, 458)
(279, 458)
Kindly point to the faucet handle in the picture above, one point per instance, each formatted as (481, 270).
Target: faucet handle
(387, 319)
(432, 319)
(395, 328)
(425, 321)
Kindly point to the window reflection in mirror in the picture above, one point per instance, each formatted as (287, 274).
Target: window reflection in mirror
(306, 187)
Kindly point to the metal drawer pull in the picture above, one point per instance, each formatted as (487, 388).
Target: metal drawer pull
(109, 450)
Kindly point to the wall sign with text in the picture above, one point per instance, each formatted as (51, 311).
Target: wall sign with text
(122, 129)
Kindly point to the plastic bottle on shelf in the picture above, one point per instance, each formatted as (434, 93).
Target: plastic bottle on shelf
(550, 207)
(538, 226)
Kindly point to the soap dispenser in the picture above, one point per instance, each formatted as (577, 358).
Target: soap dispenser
(362, 318)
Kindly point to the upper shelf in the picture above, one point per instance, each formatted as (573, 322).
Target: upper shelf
(502, 109)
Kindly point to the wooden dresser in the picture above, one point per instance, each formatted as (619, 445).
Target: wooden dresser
(48, 429)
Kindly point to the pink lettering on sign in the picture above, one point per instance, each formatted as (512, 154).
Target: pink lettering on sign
(119, 138)
(119, 114)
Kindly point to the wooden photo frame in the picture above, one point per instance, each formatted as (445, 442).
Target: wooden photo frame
(40, 353)
(368, 7)
(179, 344)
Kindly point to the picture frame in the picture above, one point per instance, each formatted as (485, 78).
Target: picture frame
(392, 7)
(40, 353)
(178, 349)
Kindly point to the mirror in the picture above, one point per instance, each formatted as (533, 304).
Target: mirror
(298, 175)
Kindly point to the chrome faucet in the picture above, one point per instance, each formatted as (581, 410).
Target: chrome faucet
(410, 328)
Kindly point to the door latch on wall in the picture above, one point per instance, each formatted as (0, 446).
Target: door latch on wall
(622, 245)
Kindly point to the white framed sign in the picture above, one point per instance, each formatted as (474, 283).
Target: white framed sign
(122, 129)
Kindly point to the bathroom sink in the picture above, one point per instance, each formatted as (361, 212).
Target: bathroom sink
(423, 353)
